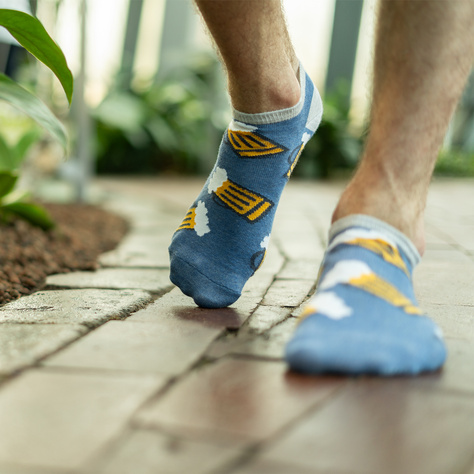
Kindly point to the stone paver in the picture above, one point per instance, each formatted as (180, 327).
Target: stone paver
(455, 320)
(265, 317)
(151, 452)
(166, 387)
(88, 307)
(267, 467)
(166, 346)
(300, 270)
(273, 261)
(269, 345)
(59, 420)
(224, 401)
(152, 280)
(176, 305)
(297, 247)
(139, 250)
(22, 345)
(4, 469)
(288, 293)
(431, 283)
(457, 375)
(384, 426)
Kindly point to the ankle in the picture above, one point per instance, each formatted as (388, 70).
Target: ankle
(380, 203)
(258, 94)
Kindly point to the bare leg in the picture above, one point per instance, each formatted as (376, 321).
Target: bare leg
(364, 317)
(223, 239)
(424, 53)
(253, 41)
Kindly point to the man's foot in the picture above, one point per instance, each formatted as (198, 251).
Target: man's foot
(223, 237)
(364, 317)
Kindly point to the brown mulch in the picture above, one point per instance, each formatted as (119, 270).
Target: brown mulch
(28, 254)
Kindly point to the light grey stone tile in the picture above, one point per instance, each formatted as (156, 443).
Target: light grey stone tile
(446, 255)
(9, 469)
(168, 346)
(445, 283)
(175, 305)
(265, 317)
(23, 344)
(461, 234)
(273, 261)
(299, 270)
(139, 250)
(237, 400)
(258, 285)
(60, 420)
(151, 452)
(288, 293)
(153, 280)
(266, 467)
(134, 210)
(390, 426)
(88, 307)
(456, 374)
(455, 320)
(296, 247)
(270, 345)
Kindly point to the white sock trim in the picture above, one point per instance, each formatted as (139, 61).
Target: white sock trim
(276, 115)
(369, 222)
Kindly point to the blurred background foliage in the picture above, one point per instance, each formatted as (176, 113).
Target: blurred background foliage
(170, 127)
(168, 117)
(166, 127)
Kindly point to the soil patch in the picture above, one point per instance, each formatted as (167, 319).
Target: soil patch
(28, 254)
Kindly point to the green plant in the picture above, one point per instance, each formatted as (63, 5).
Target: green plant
(455, 163)
(166, 127)
(15, 202)
(30, 33)
(334, 146)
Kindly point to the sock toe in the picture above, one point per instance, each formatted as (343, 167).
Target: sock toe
(364, 318)
(193, 283)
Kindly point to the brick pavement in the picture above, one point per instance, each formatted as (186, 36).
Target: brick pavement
(116, 372)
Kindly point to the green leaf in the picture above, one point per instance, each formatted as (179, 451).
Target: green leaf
(16, 195)
(6, 156)
(31, 105)
(7, 183)
(26, 141)
(32, 213)
(30, 33)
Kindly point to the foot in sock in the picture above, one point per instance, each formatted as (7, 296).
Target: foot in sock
(364, 318)
(223, 238)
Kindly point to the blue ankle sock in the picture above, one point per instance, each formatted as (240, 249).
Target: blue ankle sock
(364, 317)
(223, 238)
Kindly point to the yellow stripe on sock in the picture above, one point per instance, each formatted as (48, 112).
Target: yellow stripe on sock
(376, 286)
(389, 253)
(259, 212)
(295, 161)
(242, 201)
(251, 145)
(189, 220)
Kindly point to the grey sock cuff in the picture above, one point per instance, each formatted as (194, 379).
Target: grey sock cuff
(275, 115)
(369, 222)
